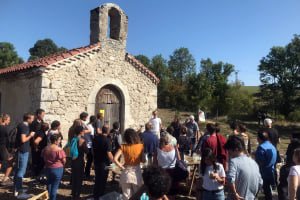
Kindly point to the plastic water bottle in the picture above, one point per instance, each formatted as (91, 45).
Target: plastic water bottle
(144, 197)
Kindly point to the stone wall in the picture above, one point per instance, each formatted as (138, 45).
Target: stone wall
(72, 88)
(20, 93)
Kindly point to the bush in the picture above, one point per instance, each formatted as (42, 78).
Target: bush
(280, 117)
(294, 116)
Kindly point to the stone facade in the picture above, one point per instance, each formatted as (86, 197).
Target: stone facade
(68, 86)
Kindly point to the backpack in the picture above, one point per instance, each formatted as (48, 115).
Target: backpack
(12, 135)
(114, 136)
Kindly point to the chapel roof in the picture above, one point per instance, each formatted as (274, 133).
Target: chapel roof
(66, 57)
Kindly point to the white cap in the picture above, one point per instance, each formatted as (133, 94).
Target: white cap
(267, 122)
(192, 117)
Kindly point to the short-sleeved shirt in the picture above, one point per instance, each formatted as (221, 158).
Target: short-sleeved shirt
(192, 129)
(184, 144)
(244, 173)
(150, 141)
(88, 137)
(36, 126)
(212, 184)
(156, 124)
(22, 129)
(97, 125)
(43, 142)
(53, 159)
(132, 153)
(294, 171)
(266, 155)
(101, 145)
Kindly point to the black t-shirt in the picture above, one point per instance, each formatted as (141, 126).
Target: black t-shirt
(36, 126)
(101, 145)
(4, 136)
(184, 143)
(23, 129)
(43, 142)
(273, 135)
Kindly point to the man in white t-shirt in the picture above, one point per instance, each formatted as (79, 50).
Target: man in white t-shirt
(89, 142)
(157, 125)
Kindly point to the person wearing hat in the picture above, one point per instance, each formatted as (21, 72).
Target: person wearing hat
(193, 132)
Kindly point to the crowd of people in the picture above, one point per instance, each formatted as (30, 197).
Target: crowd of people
(225, 163)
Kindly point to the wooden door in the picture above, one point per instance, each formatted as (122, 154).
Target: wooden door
(109, 100)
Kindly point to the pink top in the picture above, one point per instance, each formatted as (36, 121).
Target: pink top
(53, 159)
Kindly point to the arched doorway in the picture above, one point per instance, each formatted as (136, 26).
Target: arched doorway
(110, 100)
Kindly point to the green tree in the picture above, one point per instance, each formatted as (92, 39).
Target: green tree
(240, 102)
(182, 63)
(8, 55)
(144, 60)
(280, 77)
(212, 86)
(44, 48)
(160, 69)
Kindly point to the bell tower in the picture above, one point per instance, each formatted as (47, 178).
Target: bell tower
(108, 22)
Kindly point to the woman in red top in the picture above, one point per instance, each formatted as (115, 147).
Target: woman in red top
(54, 158)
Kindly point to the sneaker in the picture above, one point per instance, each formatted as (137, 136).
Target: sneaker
(16, 193)
(23, 196)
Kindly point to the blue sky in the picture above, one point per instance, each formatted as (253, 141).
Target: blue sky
(239, 32)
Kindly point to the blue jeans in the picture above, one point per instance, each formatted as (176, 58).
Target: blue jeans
(213, 196)
(53, 179)
(20, 169)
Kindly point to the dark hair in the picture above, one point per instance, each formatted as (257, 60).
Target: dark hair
(211, 128)
(55, 124)
(116, 125)
(92, 119)
(157, 181)
(131, 136)
(183, 130)
(45, 127)
(27, 116)
(262, 135)
(105, 129)
(297, 154)
(54, 138)
(235, 142)
(39, 111)
(233, 126)
(296, 134)
(99, 115)
(170, 130)
(78, 130)
(208, 153)
(217, 128)
(242, 128)
(83, 115)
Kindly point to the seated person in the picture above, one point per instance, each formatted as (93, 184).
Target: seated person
(156, 184)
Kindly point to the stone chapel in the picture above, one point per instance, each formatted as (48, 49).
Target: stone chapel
(99, 77)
